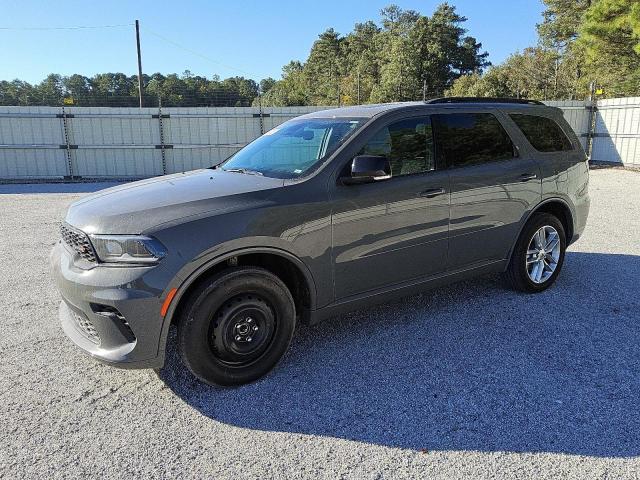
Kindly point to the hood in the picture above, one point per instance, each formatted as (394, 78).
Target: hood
(136, 207)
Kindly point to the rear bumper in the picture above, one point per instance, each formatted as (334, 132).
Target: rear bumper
(581, 215)
(111, 313)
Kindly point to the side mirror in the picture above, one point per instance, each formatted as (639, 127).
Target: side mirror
(368, 168)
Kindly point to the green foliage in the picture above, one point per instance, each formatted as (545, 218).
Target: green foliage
(561, 22)
(402, 57)
(536, 73)
(494, 83)
(380, 63)
(610, 35)
(266, 84)
(580, 41)
(290, 91)
(120, 90)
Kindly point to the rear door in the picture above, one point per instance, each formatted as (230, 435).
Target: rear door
(493, 185)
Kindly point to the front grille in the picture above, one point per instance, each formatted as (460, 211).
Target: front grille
(86, 328)
(78, 241)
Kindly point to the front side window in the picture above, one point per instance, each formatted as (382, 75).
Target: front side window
(543, 133)
(294, 148)
(408, 144)
(471, 138)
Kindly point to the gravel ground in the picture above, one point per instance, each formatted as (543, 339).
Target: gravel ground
(471, 380)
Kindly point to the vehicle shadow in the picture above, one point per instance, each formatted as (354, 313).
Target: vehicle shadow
(473, 366)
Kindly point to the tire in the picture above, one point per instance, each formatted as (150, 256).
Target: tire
(236, 326)
(525, 264)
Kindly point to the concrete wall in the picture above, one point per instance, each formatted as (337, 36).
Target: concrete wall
(617, 131)
(103, 142)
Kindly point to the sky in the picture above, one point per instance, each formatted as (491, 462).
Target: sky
(228, 38)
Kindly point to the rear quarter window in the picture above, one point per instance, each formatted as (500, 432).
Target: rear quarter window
(465, 139)
(543, 133)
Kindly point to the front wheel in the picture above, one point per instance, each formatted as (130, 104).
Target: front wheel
(539, 253)
(236, 326)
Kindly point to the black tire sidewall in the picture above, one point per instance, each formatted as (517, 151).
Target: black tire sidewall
(195, 324)
(518, 259)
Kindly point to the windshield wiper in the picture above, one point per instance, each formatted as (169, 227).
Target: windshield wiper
(243, 170)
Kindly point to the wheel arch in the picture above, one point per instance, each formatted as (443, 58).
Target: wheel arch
(286, 266)
(555, 206)
(561, 210)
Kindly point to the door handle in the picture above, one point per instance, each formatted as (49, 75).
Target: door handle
(432, 192)
(525, 177)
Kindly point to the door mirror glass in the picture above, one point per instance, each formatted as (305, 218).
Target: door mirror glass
(368, 168)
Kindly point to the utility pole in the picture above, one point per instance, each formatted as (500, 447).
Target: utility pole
(424, 90)
(139, 62)
(358, 83)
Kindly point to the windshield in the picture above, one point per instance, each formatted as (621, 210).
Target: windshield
(293, 148)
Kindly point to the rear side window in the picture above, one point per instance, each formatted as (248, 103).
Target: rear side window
(543, 133)
(465, 139)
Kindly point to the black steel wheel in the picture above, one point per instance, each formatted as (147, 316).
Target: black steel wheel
(236, 326)
(242, 329)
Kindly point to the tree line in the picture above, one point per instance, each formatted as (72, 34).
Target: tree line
(583, 44)
(404, 56)
(120, 90)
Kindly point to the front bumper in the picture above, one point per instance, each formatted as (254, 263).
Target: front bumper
(111, 313)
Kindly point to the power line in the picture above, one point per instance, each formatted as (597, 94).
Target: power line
(198, 54)
(77, 27)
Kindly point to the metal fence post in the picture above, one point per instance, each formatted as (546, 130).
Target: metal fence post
(260, 113)
(67, 145)
(160, 124)
(593, 107)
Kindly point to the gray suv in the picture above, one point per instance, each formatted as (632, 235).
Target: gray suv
(325, 213)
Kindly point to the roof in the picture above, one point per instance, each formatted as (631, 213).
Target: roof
(485, 100)
(371, 110)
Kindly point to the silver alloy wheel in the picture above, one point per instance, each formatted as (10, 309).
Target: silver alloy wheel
(543, 254)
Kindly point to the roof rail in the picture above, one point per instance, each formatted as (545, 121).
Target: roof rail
(521, 101)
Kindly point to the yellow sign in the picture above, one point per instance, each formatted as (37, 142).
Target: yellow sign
(599, 91)
(68, 100)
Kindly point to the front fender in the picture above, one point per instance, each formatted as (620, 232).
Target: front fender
(219, 254)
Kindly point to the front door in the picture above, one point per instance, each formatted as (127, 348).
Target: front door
(395, 230)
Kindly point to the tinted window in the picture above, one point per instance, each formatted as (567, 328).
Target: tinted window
(408, 144)
(471, 138)
(543, 133)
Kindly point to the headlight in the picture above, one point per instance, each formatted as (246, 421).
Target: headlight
(127, 248)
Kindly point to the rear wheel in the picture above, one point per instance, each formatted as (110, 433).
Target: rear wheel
(236, 326)
(539, 254)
